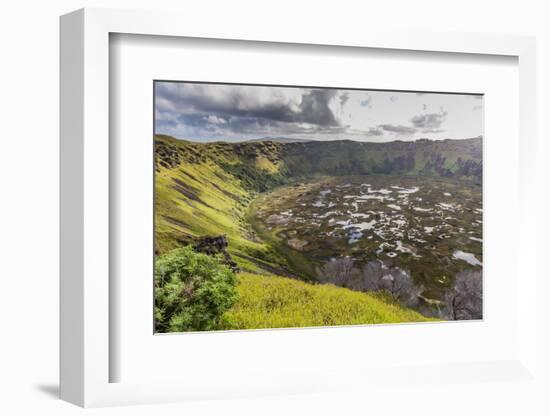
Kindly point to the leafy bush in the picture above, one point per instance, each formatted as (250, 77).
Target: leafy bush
(192, 291)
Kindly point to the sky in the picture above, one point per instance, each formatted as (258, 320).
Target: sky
(227, 112)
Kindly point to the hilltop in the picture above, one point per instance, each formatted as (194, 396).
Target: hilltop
(263, 164)
(278, 140)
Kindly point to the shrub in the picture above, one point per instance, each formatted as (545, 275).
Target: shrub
(192, 291)
(465, 300)
(375, 276)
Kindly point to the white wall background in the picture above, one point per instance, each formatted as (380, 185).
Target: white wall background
(29, 56)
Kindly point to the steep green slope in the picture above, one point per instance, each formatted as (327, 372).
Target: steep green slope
(196, 196)
(205, 188)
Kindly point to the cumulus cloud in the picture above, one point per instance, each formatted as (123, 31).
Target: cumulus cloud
(215, 120)
(399, 129)
(245, 110)
(288, 105)
(200, 111)
(315, 109)
(430, 122)
(374, 132)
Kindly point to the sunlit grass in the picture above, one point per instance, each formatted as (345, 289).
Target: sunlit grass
(279, 302)
(216, 202)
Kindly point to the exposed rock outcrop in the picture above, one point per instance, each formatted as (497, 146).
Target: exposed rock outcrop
(213, 245)
(166, 155)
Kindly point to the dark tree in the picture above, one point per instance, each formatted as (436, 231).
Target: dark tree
(376, 276)
(340, 271)
(465, 300)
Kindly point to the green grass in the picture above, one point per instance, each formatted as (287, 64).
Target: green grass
(278, 302)
(297, 262)
(206, 189)
(264, 163)
(213, 202)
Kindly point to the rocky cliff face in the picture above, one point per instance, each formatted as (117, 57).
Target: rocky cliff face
(447, 158)
(263, 165)
(214, 245)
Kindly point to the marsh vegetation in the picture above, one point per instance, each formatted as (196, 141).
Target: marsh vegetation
(377, 232)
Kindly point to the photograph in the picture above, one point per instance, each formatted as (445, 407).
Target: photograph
(280, 206)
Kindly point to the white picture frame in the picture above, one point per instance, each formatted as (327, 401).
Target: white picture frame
(85, 210)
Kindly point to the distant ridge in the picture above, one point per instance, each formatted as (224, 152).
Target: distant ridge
(277, 140)
(263, 164)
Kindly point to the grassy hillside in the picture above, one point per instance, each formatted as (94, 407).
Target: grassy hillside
(278, 302)
(206, 189)
(196, 196)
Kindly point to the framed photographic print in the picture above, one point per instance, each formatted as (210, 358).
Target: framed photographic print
(273, 214)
